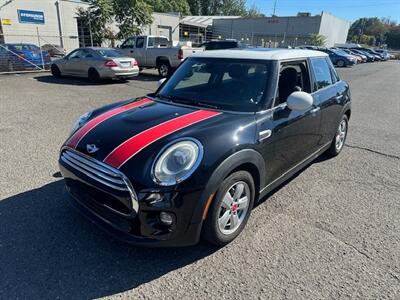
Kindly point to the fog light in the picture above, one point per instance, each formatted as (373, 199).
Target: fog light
(166, 218)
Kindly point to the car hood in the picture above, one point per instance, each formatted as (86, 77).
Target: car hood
(130, 135)
(118, 134)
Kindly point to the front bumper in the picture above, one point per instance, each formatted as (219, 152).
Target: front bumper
(107, 209)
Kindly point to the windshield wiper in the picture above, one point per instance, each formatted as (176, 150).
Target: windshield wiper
(186, 101)
(207, 105)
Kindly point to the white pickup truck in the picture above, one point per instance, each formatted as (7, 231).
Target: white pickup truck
(156, 52)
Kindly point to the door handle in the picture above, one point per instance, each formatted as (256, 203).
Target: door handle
(315, 110)
(338, 98)
(263, 135)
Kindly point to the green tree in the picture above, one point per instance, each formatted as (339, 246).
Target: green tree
(195, 7)
(131, 16)
(98, 18)
(317, 40)
(375, 28)
(393, 37)
(254, 12)
(180, 6)
(223, 8)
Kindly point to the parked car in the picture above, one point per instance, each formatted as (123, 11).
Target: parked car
(20, 57)
(54, 50)
(222, 44)
(95, 64)
(155, 52)
(378, 56)
(370, 58)
(384, 53)
(360, 58)
(340, 58)
(194, 157)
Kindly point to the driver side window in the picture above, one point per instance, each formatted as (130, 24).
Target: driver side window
(77, 54)
(294, 76)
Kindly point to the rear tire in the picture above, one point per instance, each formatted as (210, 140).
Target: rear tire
(93, 76)
(164, 69)
(339, 140)
(55, 71)
(230, 210)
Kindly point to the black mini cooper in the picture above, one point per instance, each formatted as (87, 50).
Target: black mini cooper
(191, 159)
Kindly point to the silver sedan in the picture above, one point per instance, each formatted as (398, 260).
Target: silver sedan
(95, 64)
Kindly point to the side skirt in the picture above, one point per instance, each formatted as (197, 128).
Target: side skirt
(289, 173)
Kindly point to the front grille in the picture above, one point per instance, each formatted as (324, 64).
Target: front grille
(94, 169)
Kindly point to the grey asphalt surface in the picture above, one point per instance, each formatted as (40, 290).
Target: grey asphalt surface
(332, 232)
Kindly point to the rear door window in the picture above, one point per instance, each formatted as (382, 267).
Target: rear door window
(322, 73)
(334, 74)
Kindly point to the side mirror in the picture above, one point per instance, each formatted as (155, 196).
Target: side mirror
(160, 82)
(300, 101)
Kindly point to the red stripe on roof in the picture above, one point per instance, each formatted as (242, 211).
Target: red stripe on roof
(135, 144)
(85, 129)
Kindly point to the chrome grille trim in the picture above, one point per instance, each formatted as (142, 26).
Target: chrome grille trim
(99, 172)
(88, 166)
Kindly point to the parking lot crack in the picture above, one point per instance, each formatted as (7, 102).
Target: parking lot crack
(325, 227)
(373, 151)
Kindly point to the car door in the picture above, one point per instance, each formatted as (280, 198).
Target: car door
(288, 137)
(140, 51)
(73, 62)
(330, 93)
(128, 47)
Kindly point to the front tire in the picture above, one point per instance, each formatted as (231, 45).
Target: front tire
(55, 71)
(230, 210)
(340, 63)
(340, 137)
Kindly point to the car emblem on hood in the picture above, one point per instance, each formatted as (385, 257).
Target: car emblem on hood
(91, 148)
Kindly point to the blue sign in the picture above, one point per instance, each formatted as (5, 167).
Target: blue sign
(30, 16)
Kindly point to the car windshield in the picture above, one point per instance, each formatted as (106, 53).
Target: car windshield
(22, 47)
(227, 84)
(108, 53)
(339, 52)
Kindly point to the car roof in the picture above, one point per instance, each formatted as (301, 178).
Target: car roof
(261, 53)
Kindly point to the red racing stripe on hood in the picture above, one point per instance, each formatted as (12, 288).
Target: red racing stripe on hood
(135, 144)
(85, 129)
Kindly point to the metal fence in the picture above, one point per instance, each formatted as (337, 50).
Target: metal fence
(35, 50)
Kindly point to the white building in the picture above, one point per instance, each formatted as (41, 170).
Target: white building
(283, 31)
(55, 22)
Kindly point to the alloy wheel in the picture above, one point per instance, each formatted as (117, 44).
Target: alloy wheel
(234, 207)
(341, 135)
(164, 70)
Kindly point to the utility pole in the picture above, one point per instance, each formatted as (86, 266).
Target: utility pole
(274, 8)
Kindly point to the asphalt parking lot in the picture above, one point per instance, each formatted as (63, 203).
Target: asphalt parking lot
(332, 232)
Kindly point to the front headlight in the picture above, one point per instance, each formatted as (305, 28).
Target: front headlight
(81, 120)
(177, 161)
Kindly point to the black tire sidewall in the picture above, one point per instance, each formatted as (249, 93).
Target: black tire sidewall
(164, 63)
(211, 230)
(93, 76)
(341, 63)
(333, 151)
(55, 71)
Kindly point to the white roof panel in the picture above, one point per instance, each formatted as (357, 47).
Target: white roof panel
(203, 21)
(261, 53)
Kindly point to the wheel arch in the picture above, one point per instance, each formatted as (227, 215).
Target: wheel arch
(247, 160)
(162, 58)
